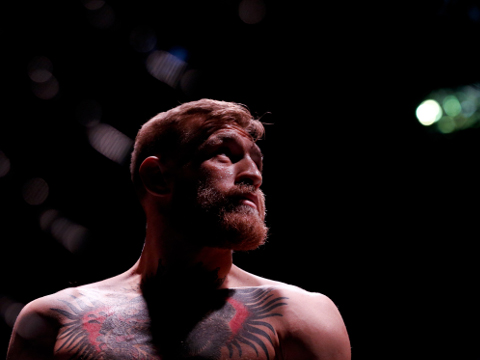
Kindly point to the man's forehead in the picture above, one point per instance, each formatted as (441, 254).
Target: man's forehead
(232, 134)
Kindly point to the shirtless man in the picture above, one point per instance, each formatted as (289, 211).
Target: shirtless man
(197, 170)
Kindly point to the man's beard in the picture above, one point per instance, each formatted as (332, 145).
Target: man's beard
(209, 217)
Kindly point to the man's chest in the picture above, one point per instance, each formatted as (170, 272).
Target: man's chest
(242, 326)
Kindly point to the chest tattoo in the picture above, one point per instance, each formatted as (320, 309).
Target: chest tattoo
(130, 329)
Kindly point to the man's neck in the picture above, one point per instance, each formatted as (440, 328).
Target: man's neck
(167, 258)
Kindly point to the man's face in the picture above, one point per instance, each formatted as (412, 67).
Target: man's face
(217, 201)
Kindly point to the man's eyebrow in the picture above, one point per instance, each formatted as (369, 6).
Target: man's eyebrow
(258, 150)
(220, 139)
(224, 137)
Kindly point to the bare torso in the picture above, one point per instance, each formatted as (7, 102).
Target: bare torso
(250, 318)
(231, 324)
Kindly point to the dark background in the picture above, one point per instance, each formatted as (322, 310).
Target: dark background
(364, 204)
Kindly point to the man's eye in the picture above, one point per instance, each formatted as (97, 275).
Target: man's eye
(224, 152)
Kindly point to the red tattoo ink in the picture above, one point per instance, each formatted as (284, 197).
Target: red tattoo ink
(92, 323)
(241, 314)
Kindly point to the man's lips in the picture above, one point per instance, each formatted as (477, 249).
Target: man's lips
(250, 200)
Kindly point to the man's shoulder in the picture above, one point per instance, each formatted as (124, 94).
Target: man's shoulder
(50, 306)
(311, 324)
(296, 294)
(302, 302)
(42, 306)
(302, 297)
(36, 327)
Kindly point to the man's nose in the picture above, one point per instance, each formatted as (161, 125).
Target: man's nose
(248, 173)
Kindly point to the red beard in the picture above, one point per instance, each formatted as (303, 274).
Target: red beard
(221, 219)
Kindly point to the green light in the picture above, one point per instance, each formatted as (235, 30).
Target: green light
(451, 105)
(451, 110)
(446, 125)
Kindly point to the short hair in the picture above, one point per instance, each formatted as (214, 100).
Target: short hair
(174, 134)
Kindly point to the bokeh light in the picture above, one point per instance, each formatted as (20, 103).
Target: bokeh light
(468, 107)
(35, 191)
(4, 164)
(46, 90)
(46, 219)
(110, 142)
(474, 13)
(100, 14)
(44, 84)
(446, 125)
(428, 112)
(93, 4)
(40, 69)
(452, 105)
(71, 235)
(451, 110)
(9, 310)
(166, 67)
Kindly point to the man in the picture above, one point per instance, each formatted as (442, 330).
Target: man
(197, 170)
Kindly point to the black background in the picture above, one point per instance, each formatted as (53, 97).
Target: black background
(364, 204)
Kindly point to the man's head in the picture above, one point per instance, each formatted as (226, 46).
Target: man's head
(199, 164)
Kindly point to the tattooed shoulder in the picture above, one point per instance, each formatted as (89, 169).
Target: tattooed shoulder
(92, 323)
(238, 323)
(251, 323)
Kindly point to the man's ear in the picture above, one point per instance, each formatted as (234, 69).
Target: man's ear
(152, 173)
